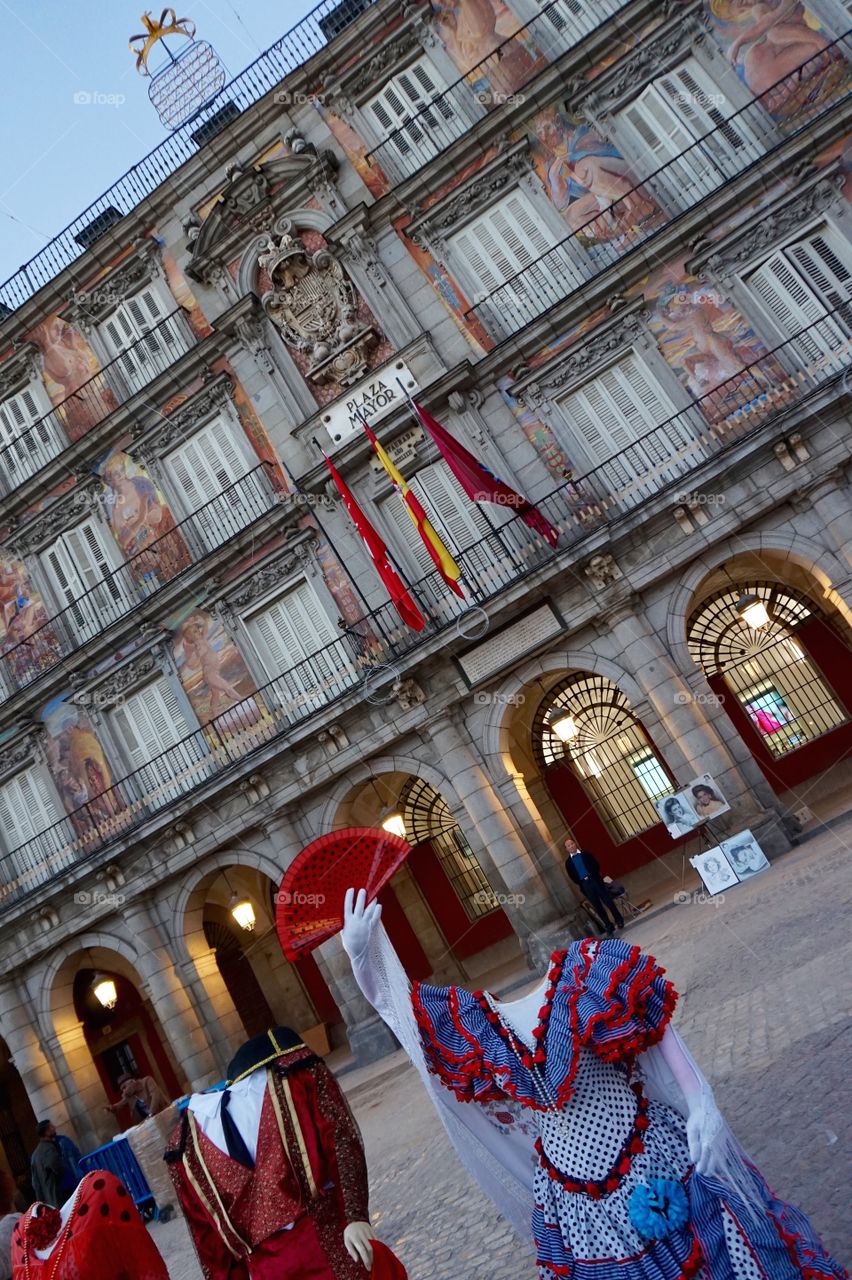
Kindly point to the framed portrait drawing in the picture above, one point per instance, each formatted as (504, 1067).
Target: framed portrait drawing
(706, 798)
(745, 855)
(715, 870)
(677, 812)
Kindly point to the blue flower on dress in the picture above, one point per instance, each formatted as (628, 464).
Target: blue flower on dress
(658, 1207)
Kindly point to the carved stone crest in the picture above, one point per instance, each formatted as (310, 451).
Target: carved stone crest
(315, 307)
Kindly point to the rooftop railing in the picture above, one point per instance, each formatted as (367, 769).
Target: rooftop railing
(739, 142)
(300, 43)
(498, 78)
(94, 400)
(368, 655)
(36, 644)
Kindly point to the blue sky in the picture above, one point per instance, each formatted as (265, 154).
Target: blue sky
(58, 154)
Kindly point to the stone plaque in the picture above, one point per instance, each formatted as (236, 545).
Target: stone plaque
(372, 398)
(509, 644)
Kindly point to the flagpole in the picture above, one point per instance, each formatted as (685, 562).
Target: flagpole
(335, 552)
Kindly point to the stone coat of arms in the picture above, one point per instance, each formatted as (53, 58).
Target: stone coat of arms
(315, 307)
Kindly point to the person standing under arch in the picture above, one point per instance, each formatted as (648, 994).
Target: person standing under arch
(584, 870)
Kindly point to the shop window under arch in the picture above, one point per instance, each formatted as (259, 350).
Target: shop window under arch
(767, 667)
(427, 817)
(606, 747)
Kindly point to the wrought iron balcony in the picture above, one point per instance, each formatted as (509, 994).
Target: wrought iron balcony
(266, 73)
(94, 400)
(42, 644)
(369, 656)
(740, 142)
(500, 77)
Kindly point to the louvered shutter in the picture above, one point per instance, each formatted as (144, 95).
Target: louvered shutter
(573, 19)
(30, 814)
(24, 447)
(416, 114)
(800, 285)
(301, 650)
(207, 470)
(156, 736)
(145, 343)
(459, 521)
(84, 567)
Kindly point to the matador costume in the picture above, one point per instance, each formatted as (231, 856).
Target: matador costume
(270, 1171)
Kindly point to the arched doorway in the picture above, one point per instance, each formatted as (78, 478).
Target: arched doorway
(782, 673)
(17, 1118)
(602, 770)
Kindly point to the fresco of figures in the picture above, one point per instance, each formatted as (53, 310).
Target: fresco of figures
(215, 677)
(141, 522)
(79, 768)
(69, 365)
(27, 643)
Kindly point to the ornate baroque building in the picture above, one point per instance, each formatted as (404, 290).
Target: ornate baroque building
(608, 244)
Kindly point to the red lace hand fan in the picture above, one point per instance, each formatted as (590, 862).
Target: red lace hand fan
(310, 900)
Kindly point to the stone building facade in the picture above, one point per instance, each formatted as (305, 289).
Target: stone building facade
(608, 245)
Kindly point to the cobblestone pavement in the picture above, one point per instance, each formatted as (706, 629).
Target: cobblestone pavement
(765, 1008)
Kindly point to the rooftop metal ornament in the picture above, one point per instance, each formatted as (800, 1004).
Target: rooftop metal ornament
(189, 81)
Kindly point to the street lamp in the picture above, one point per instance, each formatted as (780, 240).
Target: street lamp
(564, 726)
(753, 611)
(105, 991)
(243, 912)
(395, 824)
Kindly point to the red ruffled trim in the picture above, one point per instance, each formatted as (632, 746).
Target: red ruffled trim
(631, 1006)
(597, 1188)
(800, 1255)
(692, 1264)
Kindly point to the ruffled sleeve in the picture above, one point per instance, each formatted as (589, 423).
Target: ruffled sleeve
(626, 1002)
(446, 1018)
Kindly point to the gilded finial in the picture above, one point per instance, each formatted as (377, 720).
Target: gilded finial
(168, 24)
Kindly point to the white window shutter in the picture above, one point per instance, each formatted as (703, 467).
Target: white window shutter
(18, 414)
(205, 468)
(505, 240)
(147, 725)
(84, 567)
(414, 109)
(27, 807)
(291, 629)
(456, 516)
(800, 286)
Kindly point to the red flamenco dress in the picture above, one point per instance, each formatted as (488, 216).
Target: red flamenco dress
(98, 1235)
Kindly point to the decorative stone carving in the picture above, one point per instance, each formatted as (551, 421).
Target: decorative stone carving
(651, 56)
(602, 571)
(19, 370)
(251, 332)
(59, 516)
(361, 249)
(315, 307)
(48, 919)
(408, 694)
(179, 837)
(112, 691)
(271, 575)
(295, 501)
(332, 740)
(212, 398)
(22, 751)
(255, 788)
(513, 163)
(768, 228)
(191, 227)
(245, 195)
(89, 307)
(381, 66)
(574, 364)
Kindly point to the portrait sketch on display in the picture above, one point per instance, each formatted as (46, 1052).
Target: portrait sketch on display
(745, 855)
(705, 797)
(677, 812)
(715, 870)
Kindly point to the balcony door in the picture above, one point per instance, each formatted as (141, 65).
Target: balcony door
(24, 446)
(91, 584)
(166, 755)
(144, 341)
(416, 117)
(207, 471)
(29, 815)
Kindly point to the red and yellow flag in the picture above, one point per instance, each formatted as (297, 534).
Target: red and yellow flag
(441, 558)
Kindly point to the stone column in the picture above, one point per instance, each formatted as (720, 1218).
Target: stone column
(69, 1051)
(697, 746)
(369, 1037)
(179, 1022)
(212, 1001)
(507, 862)
(830, 499)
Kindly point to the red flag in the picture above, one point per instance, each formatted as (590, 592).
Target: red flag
(405, 606)
(479, 483)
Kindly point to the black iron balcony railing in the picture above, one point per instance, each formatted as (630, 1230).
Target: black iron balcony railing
(38, 645)
(740, 142)
(368, 654)
(300, 43)
(501, 77)
(94, 400)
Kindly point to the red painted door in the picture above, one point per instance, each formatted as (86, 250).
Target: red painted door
(464, 936)
(317, 989)
(591, 833)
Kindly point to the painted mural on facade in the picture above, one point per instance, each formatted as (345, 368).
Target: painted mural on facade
(27, 643)
(768, 42)
(184, 297)
(79, 767)
(214, 675)
(69, 363)
(141, 521)
(470, 30)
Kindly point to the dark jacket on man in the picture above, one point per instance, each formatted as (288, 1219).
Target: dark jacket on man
(47, 1171)
(592, 868)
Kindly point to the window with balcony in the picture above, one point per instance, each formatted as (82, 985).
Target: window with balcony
(143, 338)
(92, 586)
(29, 814)
(415, 117)
(805, 291)
(301, 650)
(562, 24)
(24, 446)
(208, 472)
(162, 751)
(616, 420)
(687, 137)
(511, 260)
(460, 522)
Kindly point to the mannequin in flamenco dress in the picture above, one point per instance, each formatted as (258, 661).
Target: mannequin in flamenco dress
(271, 1173)
(590, 1120)
(96, 1235)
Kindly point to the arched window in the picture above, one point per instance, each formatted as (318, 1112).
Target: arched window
(765, 661)
(427, 817)
(586, 722)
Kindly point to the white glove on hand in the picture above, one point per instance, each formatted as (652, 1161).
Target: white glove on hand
(359, 921)
(703, 1126)
(357, 1237)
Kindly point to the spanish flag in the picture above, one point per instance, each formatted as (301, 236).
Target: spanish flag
(443, 561)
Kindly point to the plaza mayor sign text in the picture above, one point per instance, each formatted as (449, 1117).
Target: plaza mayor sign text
(371, 400)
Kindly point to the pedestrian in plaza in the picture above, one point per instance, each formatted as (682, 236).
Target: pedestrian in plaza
(46, 1165)
(8, 1220)
(143, 1097)
(583, 869)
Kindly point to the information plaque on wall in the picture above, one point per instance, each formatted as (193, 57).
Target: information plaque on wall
(510, 643)
(370, 399)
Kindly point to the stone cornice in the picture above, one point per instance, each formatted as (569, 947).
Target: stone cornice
(19, 369)
(463, 202)
(62, 514)
(22, 751)
(215, 395)
(95, 303)
(111, 690)
(364, 76)
(652, 56)
(583, 357)
(298, 551)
